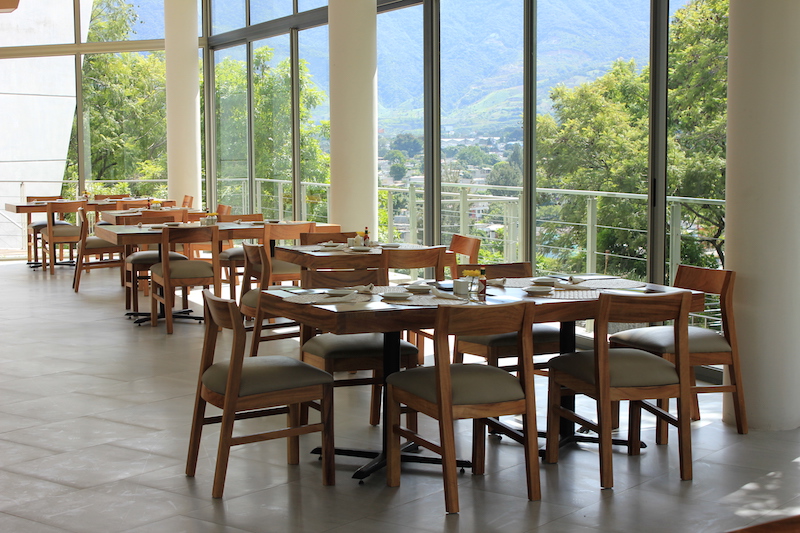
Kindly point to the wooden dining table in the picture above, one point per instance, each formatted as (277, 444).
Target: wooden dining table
(128, 216)
(390, 318)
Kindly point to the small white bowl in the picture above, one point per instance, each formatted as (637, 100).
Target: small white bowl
(418, 289)
(391, 245)
(395, 295)
(537, 290)
(545, 281)
(330, 244)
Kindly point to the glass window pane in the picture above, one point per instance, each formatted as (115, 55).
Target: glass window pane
(227, 15)
(124, 123)
(37, 103)
(592, 138)
(119, 20)
(230, 75)
(314, 124)
(305, 5)
(34, 23)
(264, 10)
(697, 132)
(482, 125)
(272, 123)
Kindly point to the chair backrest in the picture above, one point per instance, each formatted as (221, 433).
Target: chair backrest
(484, 320)
(432, 256)
(257, 265)
(122, 205)
(501, 270)
(464, 245)
(152, 219)
(290, 231)
(30, 199)
(316, 238)
(148, 216)
(642, 308)
(334, 279)
(84, 225)
(222, 313)
(168, 203)
(712, 281)
(190, 235)
(223, 209)
(60, 209)
(187, 201)
(250, 217)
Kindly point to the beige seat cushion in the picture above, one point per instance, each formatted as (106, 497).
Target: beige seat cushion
(284, 267)
(332, 346)
(472, 384)
(543, 333)
(96, 242)
(186, 269)
(661, 339)
(37, 225)
(250, 298)
(267, 373)
(232, 254)
(628, 367)
(150, 257)
(61, 230)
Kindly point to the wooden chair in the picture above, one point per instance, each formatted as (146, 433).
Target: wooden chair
(149, 215)
(392, 258)
(248, 387)
(290, 231)
(547, 338)
(232, 257)
(137, 264)
(614, 374)
(89, 246)
(35, 227)
(55, 236)
(258, 268)
(448, 392)
(316, 238)
(167, 275)
(223, 209)
(187, 201)
(462, 245)
(123, 205)
(706, 347)
(353, 352)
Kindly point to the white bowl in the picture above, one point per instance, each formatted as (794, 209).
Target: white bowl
(418, 289)
(360, 248)
(391, 245)
(545, 281)
(395, 295)
(173, 224)
(330, 244)
(537, 290)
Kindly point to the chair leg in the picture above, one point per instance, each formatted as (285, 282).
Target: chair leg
(153, 303)
(695, 402)
(604, 427)
(293, 442)
(392, 440)
(478, 446)
(531, 445)
(169, 303)
(328, 452)
(553, 420)
(129, 286)
(223, 452)
(449, 470)
(76, 278)
(195, 434)
(634, 427)
(685, 438)
(735, 376)
(662, 428)
(375, 404)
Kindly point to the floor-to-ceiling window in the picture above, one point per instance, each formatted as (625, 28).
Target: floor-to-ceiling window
(231, 127)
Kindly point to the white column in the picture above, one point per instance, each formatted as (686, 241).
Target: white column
(183, 100)
(352, 29)
(762, 205)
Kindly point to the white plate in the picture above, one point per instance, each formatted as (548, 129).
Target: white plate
(173, 224)
(418, 289)
(157, 226)
(258, 222)
(537, 289)
(360, 248)
(330, 244)
(391, 245)
(339, 292)
(395, 295)
(544, 281)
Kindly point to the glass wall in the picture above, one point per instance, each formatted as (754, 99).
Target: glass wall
(231, 127)
(481, 116)
(401, 125)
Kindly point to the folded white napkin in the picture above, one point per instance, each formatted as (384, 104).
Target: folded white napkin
(576, 279)
(363, 289)
(334, 248)
(323, 299)
(444, 295)
(496, 282)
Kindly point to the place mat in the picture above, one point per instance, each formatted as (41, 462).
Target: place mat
(321, 299)
(580, 294)
(427, 300)
(616, 283)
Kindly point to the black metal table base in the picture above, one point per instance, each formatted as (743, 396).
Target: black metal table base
(145, 317)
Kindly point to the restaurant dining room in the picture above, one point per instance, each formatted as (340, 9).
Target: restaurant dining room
(398, 266)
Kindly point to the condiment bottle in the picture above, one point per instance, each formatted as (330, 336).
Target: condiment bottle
(366, 236)
(482, 282)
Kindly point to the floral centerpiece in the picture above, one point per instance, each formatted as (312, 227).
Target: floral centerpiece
(472, 276)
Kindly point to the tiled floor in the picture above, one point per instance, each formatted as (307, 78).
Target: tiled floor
(94, 422)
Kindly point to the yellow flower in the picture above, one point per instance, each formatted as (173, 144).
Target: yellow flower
(212, 214)
(471, 273)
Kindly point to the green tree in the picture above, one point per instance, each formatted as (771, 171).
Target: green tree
(397, 171)
(408, 143)
(395, 156)
(474, 156)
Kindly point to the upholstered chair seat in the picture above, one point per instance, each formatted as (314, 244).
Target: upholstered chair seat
(627, 367)
(265, 374)
(472, 384)
(661, 339)
(186, 269)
